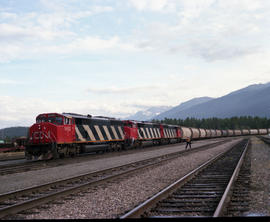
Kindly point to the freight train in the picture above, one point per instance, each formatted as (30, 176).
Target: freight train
(57, 135)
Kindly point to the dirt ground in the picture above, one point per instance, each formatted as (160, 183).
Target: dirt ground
(11, 155)
(260, 179)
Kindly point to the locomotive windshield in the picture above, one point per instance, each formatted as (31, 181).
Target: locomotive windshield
(51, 118)
(58, 120)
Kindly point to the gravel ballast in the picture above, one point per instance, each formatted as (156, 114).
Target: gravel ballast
(114, 199)
(22, 180)
(260, 179)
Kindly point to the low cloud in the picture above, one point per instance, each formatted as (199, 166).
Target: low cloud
(15, 111)
(212, 51)
(10, 82)
(118, 90)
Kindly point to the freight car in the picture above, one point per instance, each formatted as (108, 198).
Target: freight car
(57, 135)
(17, 144)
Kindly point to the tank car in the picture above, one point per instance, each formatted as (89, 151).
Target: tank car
(230, 132)
(208, 133)
(262, 131)
(218, 133)
(237, 132)
(195, 133)
(213, 133)
(253, 131)
(245, 132)
(202, 133)
(224, 133)
(186, 132)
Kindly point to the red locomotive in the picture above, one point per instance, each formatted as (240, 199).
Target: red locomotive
(57, 135)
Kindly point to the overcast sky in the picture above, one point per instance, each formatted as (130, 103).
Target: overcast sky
(116, 57)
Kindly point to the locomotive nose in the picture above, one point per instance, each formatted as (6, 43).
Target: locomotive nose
(40, 133)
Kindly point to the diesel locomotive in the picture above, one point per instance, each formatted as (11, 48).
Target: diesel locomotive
(57, 135)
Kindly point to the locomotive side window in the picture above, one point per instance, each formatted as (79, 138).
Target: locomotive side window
(67, 121)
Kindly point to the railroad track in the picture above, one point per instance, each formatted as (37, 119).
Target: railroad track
(265, 139)
(21, 200)
(203, 192)
(37, 165)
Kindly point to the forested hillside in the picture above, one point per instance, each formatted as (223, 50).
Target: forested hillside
(245, 122)
(13, 132)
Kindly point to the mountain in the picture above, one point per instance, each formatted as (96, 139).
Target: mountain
(149, 114)
(253, 100)
(13, 132)
(183, 106)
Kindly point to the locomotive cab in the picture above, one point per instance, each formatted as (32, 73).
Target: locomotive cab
(131, 132)
(50, 131)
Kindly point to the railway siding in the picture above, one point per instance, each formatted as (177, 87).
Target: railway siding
(114, 198)
(28, 179)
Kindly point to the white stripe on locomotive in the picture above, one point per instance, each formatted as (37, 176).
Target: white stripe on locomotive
(144, 135)
(158, 132)
(148, 133)
(99, 132)
(90, 133)
(139, 133)
(79, 134)
(151, 131)
(166, 133)
(171, 133)
(121, 132)
(107, 132)
(154, 132)
(114, 132)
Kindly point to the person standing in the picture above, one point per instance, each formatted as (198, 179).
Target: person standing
(188, 142)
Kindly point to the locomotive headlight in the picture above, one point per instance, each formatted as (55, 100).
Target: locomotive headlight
(39, 127)
(31, 138)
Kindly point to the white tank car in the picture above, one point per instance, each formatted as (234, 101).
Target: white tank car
(237, 132)
(186, 132)
(219, 133)
(202, 133)
(253, 131)
(195, 133)
(224, 132)
(262, 131)
(208, 133)
(245, 132)
(213, 133)
(230, 132)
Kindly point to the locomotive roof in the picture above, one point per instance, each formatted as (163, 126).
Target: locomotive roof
(80, 116)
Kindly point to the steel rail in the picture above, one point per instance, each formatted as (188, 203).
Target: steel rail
(36, 165)
(227, 194)
(140, 209)
(46, 198)
(264, 139)
(167, 157)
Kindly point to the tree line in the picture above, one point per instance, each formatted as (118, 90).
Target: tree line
(243, 122)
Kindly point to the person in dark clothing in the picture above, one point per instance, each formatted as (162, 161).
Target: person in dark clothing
(188, 140)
